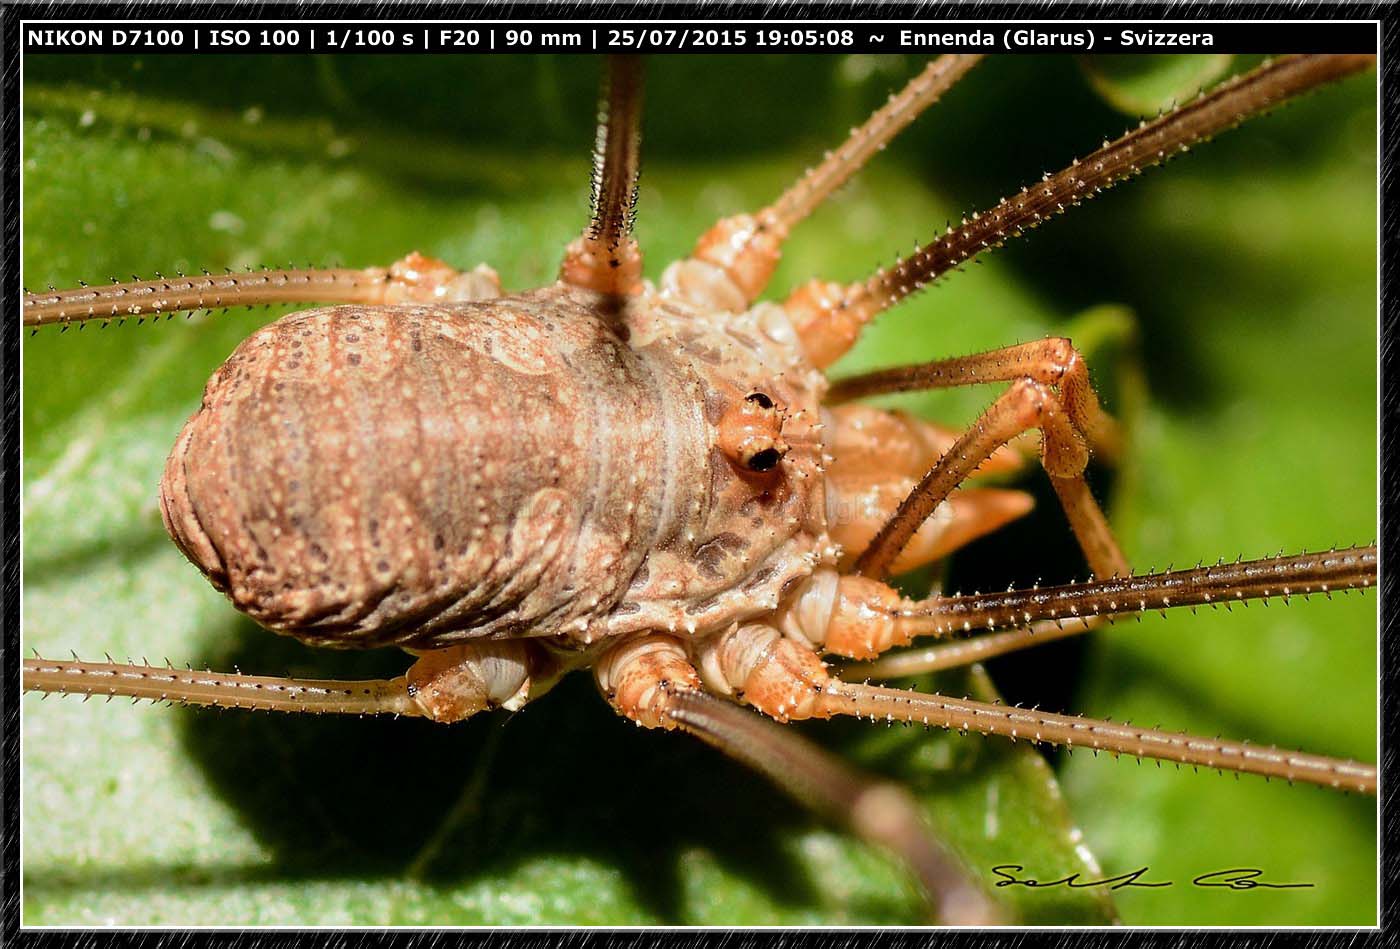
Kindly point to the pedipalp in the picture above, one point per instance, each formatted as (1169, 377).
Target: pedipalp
(1025, 405)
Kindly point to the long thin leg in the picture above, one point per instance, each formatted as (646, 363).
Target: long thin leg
(445, 685)
(207, 291)
(879, 812)
(746, 248)
(1090, 527)
(877, 703)
(817, 184)
(786, 680)
(856, 617)
(1046, 614)
(829, 317)
(651, 681)
(415, 278)
(964, 652)
(606, 258)
(218, 689)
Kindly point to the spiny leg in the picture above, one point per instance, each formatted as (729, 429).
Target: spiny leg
(445, 685)
(855, 617)
(878, 703)
(786, 680)
(218, 689)
(829, 317)
(1052, 361)
(903, 107)
(1044, 614)
(414, 279)
(606, 258)
(733, 261)
(651, 681)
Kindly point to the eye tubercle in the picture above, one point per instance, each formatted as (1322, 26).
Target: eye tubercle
(751, 434)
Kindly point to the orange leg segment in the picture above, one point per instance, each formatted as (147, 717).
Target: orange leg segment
(651, 681)
(733, 261)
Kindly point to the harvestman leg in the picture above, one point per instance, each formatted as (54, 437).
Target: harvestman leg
(445, 685)
(786, 680)
(414, 279)
(651, 680)
(606, 257)
(733, 261)
(1048, 613)
(829, 317)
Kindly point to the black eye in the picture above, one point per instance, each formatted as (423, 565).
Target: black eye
(765, 460)
(761, 399)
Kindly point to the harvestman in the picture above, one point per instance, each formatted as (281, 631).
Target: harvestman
(640, 479)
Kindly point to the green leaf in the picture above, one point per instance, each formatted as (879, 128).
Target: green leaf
(1144, 84)
(563, 813)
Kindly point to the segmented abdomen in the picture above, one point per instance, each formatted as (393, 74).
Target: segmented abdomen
(360, 476)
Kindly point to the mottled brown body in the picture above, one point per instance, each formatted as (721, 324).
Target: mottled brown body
(525, 466)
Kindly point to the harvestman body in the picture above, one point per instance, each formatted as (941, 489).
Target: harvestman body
(643, 480)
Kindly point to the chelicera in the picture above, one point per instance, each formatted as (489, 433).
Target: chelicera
(742, 578)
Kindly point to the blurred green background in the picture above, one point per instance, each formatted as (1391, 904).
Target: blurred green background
(1247, 270)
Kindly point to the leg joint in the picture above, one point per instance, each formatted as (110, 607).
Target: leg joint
(1061, 359)
(778, 676)
(639, 676)
(451, 684)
